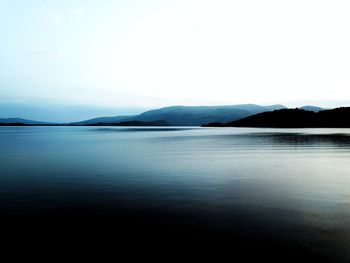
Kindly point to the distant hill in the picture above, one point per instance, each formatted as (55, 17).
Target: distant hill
(131, 123)
(312, 108)
(19, 121)
(175, 116)
(294, 118)
(65, 113)
(104, 120)
(190, 115)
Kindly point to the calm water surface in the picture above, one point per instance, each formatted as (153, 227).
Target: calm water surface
(283, 186)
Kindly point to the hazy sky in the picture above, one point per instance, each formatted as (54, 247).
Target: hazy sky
(155, 53)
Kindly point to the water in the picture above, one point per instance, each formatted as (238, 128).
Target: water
(266, 189)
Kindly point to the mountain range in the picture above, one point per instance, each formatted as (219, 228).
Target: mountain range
(20, 121)
(293, 118)
(173, 116)
(189, 115)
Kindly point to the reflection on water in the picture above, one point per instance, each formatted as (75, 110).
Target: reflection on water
(300, 139)
(285, 190)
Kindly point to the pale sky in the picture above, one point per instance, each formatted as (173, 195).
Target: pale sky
(191, 52)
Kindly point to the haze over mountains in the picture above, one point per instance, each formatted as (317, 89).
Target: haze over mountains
(175, 116)
(62, 113)
(190, 115)
(20, 121)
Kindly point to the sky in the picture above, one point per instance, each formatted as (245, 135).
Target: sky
(144, 54)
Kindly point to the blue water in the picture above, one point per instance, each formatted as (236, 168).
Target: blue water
(287, 185)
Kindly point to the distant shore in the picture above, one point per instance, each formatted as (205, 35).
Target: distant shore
(293, 118)
(126, 123)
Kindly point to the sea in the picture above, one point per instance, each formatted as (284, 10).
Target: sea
(248, 192)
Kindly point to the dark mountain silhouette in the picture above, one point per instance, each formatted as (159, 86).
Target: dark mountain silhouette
(190, 115)
(293, 118)
(16, 124)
